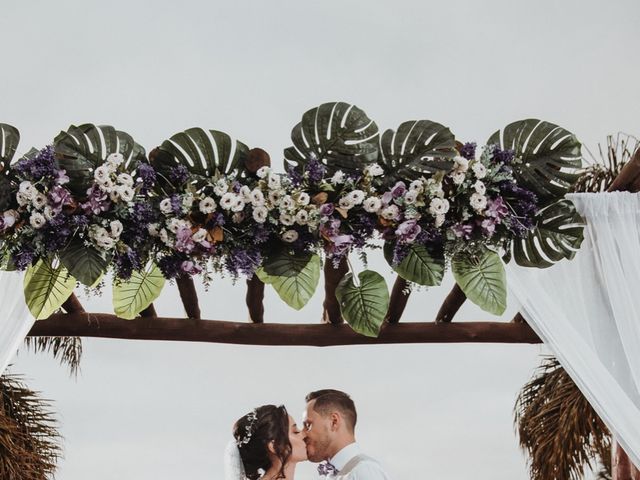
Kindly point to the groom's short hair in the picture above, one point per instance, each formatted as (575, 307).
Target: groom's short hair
(328, 400)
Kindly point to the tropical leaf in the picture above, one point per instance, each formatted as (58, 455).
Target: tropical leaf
(418, 148)
(294, 276)
(9, 139)
(338, 134)
(547, 157)
(364, 305)
(82, 148)
(205, 153)
(46, 288)
(84, 262)
(482, 279)
(558, 234)
(420, 266)
(132, 296)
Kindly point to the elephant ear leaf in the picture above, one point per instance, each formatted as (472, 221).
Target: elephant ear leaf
(9, 139)
(557, 234)
(204, 153)
(417, 148)
(338, 134)
(547, 157)
(81, 149)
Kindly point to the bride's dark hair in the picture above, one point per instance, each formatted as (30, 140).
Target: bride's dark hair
(253, 433)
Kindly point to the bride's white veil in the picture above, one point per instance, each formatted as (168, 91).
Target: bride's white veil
(233, 467)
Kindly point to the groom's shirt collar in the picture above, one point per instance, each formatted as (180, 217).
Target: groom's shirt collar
(340, 459)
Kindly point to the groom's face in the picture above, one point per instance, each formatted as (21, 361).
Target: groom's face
(318, 434)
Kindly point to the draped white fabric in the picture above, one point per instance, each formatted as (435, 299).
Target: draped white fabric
(15, 319)
(587, 311)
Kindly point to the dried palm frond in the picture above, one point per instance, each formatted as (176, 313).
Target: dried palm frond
(558, 427)
(600, 172)
(29, 440)
(68, 350)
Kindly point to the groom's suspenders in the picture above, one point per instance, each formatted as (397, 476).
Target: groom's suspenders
(351, 464)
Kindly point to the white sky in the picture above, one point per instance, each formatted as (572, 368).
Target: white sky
(159, 410)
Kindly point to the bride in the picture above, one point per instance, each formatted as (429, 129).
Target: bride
(267, 445)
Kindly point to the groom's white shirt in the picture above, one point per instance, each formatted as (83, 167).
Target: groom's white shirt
(362, 468)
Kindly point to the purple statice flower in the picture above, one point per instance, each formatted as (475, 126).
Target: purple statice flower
(190, 268)
(502, 156)
(24, 258)
(243, 261)
(462, 230)
(398, 190)
(147, 176)
(179, 174)
(400, 252)
(496, 209)
(408, 231)
(97, 201)
(170, 265)
(126, 262)
(80, 221)
(59, 197)
(56, 233)
(176, 204)
(488, 226)
(184, 242)
(260, 233)
(294, 175)
(326, 209)
(468, 150)
(61, 177)
(315, 169)
(429, 235)
(43, 165)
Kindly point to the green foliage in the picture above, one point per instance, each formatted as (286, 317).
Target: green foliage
(84, 262)
(482, 279)
(46, 288)
(9, 139)
(294, 276)
(420, 266)
(364, 305)
(338, 134)
(132, 296)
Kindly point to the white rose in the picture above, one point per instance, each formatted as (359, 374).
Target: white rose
(37, 220)
(356, 197)
(114, 195)
(302, 217)
(174, 224)
(391, 212)
(115, 160)
(39, 200)
(275, 196)
(263, 172)
(101, 174)
(290, 236)
(337, 178)
(372, 204)
(238, 204)
(346, 203)
(303, 199)
(478, 202)
(458, 177)
(461, 163)
(438, 206)
(199, 235)
(153, 229)
(27, 189)
(287, 219)
(257, 198)
(165, 206)
(245, 193)
(439, 220)
(48, 212)
(260, 214)
(417, 186)
(479, 170)
(228, 200)
(480, 187)
(374, 170)
(286, 202)
(116, 228)
(207, 205)
(126, 193)
(22, 199)
(106, 185)
(220, 188)
(274, 181)
(410, 197)
(125, 179)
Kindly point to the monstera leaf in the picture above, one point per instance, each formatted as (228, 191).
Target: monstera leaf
(364, 304)
(9, 139)
(482, 279)
(417, 148)
(130, 297)
(205, 153)
(547, 156)
(558, 234)
(420, 266)
(82, 148)
(294, 276)
(84, 262)
(46, 288)
(338, 134)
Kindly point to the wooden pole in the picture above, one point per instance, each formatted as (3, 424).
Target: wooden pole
(451, 304)
(398, 300)
(254, 299)
(621, 466)
(189, 296)
(332, 277)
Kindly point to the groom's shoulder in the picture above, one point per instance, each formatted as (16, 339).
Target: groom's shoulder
(369, 468)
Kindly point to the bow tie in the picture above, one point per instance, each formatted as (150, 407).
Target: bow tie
(327, 468)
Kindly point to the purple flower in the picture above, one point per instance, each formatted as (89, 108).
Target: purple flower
(408, 231)
(59, 197)
(294, 176)
(241, 261)
(43, 165)
(326, 209)
(502, 156)
(23, 258)
(147, 175)
(496, 209)
(398, 190)
(315, 169)
(468, 150)
(126, 262)
(462, 230)
(488, 226)
(190, 267)
(184, 242)
(61, 177)
(97, 201)
(170, 265)
(387, 197)
(179, 174)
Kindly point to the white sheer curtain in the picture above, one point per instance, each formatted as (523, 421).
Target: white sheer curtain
(587, 311)
(15, 319)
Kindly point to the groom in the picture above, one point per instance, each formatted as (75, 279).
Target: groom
(329, 424)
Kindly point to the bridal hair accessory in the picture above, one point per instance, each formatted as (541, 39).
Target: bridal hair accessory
(252, 418)
(233, 466)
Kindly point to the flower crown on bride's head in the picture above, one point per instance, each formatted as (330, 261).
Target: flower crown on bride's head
(252, 418)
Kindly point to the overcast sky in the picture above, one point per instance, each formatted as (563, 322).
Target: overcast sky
(161, 410)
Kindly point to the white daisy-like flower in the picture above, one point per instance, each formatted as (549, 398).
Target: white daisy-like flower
(22, 199)
(303, 199)
(290, 236)
(126, 193)
(260, 214)
(410, 197)
(390, 213)
(165, 206)
(287, 219)
(337, 178)
(175, 224)
(114, 195)
(116, 228)
(238, 204)
(275, 196)
(461, 163)
(374, 170)
(207, 205)
(237, 217)
(245, 193)
(228, 200)
(439, 220)
(346, 203)
(372, 204)
(152, 228)
(37, 220)
(438, 206)
(27, 189)
(39, 200)
(286, 203)
(107, 243)
(98, 233)
(356, 197)
(48, 212)
(479, 170)
(478, 202)
(458, 177)
(220, 188)
(101, 174)
(480, 187)
(302, 217)
(416, 186)
(106, 185)
(263, 172)
(115, 160)
(199, 235)
(273, 181)
(10, 217)
(125, 179)
(257, 198)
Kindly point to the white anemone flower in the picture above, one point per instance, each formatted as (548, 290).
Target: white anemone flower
(207, 205)
(478, 202)
(290, 236)
(260, 214)
(37, 220)
(372, 204)
(165, 206)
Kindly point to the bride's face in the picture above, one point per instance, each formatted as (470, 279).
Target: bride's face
(296, 437)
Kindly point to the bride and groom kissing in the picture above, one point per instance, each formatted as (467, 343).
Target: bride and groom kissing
(268, 444)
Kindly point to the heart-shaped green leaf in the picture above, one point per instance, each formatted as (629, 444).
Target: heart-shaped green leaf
(418, 148)
(547, 157)
(132, 296)
(365, 305)
(338, 134)
(46, 288)
(558, 234)
(420, 266)
(84, 262)
(294, 276)
(482, 279)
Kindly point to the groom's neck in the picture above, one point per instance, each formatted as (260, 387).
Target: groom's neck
(340, 443)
